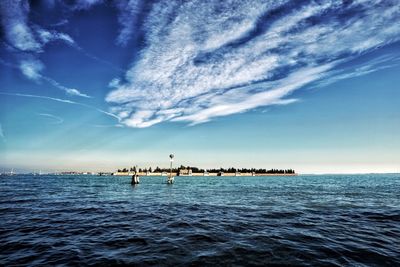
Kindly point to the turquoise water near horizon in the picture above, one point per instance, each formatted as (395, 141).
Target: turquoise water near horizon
(296, 220)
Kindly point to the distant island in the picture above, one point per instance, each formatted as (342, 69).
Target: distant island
(195, 171)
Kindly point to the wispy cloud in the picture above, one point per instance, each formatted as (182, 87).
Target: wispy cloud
(85, 4)
(128, 19)
(39, 96)
(20, 33)
(357, 70)
(205, 59)
(223, 105)
(14, 21)
(56, 119)
(69, 91)
(107, 125)
(31, 68)
(95, 58)
(2, 133)
(28, 40)
(47, 36)
(67, 101)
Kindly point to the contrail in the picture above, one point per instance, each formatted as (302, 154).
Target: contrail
(62, 101)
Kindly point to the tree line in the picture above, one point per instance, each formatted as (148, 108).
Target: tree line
(199, 170)
(251, 170)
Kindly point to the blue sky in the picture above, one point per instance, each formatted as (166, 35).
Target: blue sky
(99, 85)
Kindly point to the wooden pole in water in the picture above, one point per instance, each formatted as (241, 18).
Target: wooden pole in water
(135, 176)
(170, 178)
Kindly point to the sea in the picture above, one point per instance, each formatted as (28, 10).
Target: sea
(305, 220)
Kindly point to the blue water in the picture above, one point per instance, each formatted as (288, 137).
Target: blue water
(97, 220)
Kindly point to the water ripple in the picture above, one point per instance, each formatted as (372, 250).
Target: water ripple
(304, 220)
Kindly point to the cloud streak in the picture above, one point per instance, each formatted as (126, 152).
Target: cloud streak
(128, 19)
(378, 64)
(56, 119)
(206, 59)
(62, 101)
(31, 68)
(2, 133)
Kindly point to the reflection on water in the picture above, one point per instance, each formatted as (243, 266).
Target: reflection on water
(303, 220)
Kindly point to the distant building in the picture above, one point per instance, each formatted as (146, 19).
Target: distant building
(185, 172)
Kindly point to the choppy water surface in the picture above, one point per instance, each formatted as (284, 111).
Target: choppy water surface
(303, 220)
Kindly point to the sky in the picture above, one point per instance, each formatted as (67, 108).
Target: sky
(93, 85)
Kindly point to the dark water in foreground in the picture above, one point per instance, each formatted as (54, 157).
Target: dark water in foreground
(305, 220)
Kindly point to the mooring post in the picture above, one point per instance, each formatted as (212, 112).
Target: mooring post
(170, 179)
(135, 177)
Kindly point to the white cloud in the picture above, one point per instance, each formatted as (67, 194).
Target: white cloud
(264, 98)
(31, 68)
(47, 36)
(14, 16)
(20, 33)
(75, 92)
(114, 82)
(205, 59)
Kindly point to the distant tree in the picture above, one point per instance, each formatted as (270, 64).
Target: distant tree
(195, 169)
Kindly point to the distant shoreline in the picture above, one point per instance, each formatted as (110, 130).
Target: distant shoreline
(202, 174)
